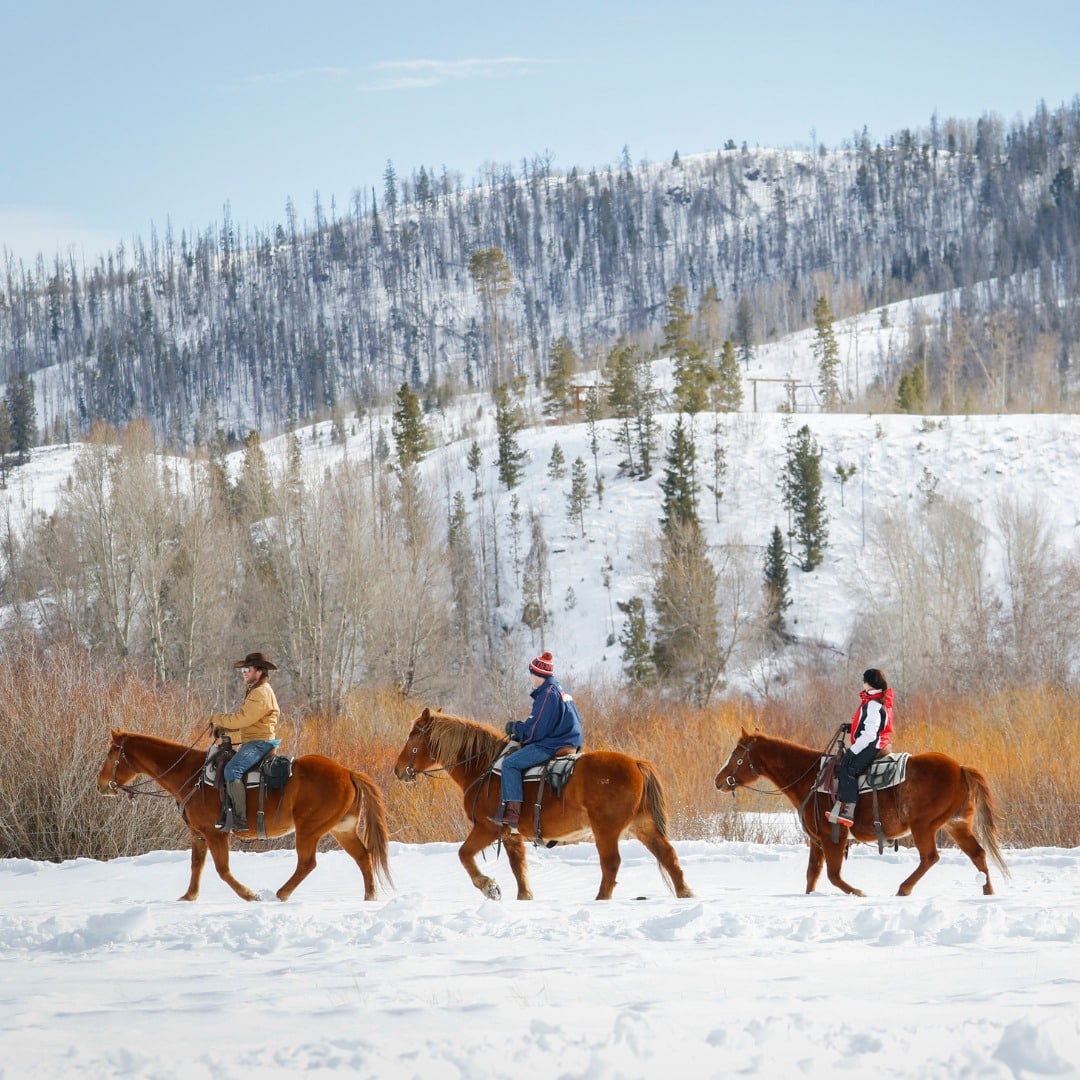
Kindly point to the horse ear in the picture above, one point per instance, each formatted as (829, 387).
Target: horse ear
(425, 716)
(745, 733)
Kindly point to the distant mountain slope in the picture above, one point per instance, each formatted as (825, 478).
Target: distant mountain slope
(230, 332)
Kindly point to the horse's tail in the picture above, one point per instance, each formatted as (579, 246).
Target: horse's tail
(984, 825)
(371, 827)
(653, 798)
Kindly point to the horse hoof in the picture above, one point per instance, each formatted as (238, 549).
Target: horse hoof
(492, 891)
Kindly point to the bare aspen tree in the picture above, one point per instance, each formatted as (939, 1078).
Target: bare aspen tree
(926, 610)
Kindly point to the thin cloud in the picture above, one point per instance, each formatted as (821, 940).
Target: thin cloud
(394, 75)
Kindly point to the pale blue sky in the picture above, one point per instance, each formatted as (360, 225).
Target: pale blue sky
(120, 116)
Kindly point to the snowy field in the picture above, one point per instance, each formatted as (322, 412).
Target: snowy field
(105, 974)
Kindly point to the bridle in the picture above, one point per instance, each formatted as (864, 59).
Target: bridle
(411, 772)
(146, 787)
(732, 783)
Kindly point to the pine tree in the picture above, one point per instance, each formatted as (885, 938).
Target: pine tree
(678, 485)
(636, 651)
(474, 461)
(727, 391)
(253, 490)
(508, 423)
(5, 441)
(686, 650)
(911, 391)
(556, 469)
(409, 430)
(22, 412)
(559, 390)
(633, 398)
(692, 372)
(578, 499)
(592, 423)
(536, 579)
(744, 330)
(776, 585)
(826, 351)
(801, 488)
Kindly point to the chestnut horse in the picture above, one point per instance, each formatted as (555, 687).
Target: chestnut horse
(938, 793)
(320, 797)
(608, 794)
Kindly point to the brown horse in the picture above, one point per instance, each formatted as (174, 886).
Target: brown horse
(608, 794)
(320, 797)
(938, 793)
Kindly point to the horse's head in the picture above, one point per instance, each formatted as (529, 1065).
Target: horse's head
(115, 769)
(416, 755)
(739, 770)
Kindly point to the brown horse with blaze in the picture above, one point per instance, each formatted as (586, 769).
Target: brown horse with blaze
(608, 794)
(320, 797)
(938, 793)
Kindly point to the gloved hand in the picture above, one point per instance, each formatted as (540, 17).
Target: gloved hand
(511, 728)
(218, 732)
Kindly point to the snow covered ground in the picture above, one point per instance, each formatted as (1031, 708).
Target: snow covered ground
(106, 974)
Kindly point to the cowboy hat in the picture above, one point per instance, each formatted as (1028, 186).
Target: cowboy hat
(256, 660)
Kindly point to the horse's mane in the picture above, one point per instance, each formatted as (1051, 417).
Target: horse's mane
(783, 744)
(455, 738)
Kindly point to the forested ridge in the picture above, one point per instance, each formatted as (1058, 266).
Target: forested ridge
(451, 285)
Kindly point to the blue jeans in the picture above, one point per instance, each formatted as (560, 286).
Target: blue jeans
(852, 766)
(514, 765)
(246, 756)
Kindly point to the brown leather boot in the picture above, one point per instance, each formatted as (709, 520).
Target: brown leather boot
(842, 813)
(509, 815)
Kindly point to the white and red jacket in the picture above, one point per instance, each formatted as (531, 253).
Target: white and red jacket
(872, 723)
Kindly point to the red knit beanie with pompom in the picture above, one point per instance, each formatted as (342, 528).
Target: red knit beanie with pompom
(543, 665)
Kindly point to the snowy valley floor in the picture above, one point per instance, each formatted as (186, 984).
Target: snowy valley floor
(105, 974)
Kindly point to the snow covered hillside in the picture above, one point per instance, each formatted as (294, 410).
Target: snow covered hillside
(898, 460)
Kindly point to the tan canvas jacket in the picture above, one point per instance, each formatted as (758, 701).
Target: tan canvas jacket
(256, 718)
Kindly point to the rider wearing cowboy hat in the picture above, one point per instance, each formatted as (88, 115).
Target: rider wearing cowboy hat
(255, 724)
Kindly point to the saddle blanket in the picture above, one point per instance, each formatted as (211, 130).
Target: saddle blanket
(884, 772)
(277, 768)
(558, 768)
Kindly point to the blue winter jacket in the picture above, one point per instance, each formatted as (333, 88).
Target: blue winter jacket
(553, 722)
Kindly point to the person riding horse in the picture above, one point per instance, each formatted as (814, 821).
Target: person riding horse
(255, 723)
(870, 735)
(552, 725)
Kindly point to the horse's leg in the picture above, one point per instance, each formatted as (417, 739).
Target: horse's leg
(218, 843)
(834, 860)
(665, 855)
(352, 843)
(814, 865)
(480, 838)
(198, 861)
(515, 854)
(962, 836)
(607, 847)
(925, 839)
(306, 844)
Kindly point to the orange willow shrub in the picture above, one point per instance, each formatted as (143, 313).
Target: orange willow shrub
(56, 708)
(58, 704)
(1009, 736)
